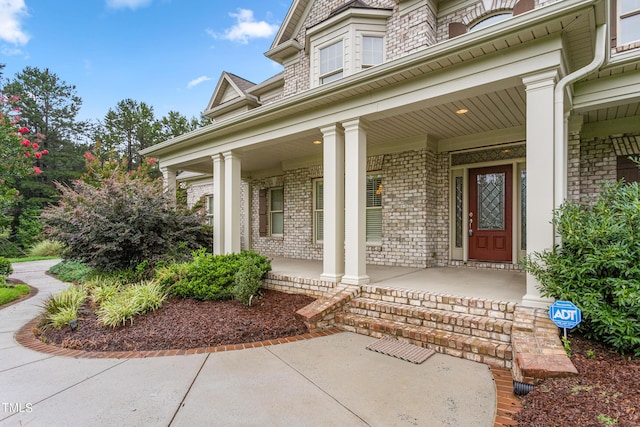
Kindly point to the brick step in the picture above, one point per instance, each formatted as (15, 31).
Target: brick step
(468, 347)
(461, 323)
(465, 305)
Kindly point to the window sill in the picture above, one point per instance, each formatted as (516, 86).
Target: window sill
(626, 47)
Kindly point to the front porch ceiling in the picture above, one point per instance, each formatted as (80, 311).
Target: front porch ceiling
(501, 109)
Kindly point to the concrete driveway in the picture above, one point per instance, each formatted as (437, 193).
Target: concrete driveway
(326, 381)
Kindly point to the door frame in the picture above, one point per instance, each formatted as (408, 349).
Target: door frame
(461, 172)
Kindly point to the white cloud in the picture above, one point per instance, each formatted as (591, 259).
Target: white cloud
(12, 11)
(196, 82)
(126, 4)
(246, 27)
(11, 51)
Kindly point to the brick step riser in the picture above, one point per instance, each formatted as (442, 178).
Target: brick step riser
(475, 326)
(463, 305)
(477, 349)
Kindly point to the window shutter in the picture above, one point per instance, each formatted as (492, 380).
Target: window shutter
(456, 29)
(263, 226)
(523, 6)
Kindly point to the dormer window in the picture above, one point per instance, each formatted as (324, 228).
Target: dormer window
(629, 21)
(331, 62)
(372, 51)
(350, 40)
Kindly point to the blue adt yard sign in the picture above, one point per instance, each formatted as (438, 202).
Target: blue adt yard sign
(565, 314)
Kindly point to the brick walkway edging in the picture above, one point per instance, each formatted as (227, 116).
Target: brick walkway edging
(507, 404)
(27, 338)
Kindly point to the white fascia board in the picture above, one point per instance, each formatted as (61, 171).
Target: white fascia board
(438, 51)
(605, 92)
(607, 128)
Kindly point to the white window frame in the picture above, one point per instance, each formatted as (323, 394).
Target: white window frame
(273, 211)
(363, 36)
(337, 72)
(208, 208)
(622, 16)
(318, 212)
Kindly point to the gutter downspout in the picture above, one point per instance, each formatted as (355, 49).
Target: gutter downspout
(561, 120)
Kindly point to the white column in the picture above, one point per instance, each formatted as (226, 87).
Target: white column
(355, 154)
(218, 204)
(540, 173)
(232, 167)
(169, 182)
(333, 210)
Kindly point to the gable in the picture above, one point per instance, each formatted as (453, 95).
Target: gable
(230, 94)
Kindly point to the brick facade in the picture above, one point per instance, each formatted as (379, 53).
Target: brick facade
(408, 30)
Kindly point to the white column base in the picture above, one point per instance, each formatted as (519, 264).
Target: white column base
(335, 278)
(355, 280)
(536, 301)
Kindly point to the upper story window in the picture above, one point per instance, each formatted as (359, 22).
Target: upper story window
(350, 40)
(372, 51)
(628, 21)
(331, 62)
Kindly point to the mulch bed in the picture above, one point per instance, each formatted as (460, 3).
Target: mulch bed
(187, 324)
(606, 391)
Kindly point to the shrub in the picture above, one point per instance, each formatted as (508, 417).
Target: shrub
(597, 267)
(207, 276)
(5, 267)
(130, 301)
(46, 248)
(247, 283)
(118, 223)
(71, 271)
(63, 307)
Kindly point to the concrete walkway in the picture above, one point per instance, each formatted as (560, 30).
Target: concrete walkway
(327, 381)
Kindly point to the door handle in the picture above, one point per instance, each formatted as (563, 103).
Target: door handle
(470, 224)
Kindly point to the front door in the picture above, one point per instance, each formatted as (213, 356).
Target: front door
(490, 216)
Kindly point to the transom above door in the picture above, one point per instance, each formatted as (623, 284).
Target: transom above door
(490, 216)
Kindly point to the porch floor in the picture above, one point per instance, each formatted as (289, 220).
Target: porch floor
(499, 285)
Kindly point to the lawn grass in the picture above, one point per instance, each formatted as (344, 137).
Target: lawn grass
(32, 258)
(10, 292)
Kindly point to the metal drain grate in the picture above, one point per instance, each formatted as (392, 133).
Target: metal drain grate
(401, 350)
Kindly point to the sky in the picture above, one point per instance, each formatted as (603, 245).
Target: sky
(167, 53)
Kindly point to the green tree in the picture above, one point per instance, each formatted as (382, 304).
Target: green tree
(175, 124)
(129, 128)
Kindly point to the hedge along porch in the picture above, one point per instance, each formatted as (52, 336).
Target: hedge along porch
(400, 164)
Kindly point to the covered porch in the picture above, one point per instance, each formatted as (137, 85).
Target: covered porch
(484, 283)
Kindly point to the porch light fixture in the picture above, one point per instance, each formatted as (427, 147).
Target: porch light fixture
(317, 142)
(462, 111)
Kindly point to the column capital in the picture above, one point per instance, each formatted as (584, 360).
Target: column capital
(217, 157)
(330, 130)
(355, 124)
(231, 154)
(575, 123)
(541, 80)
